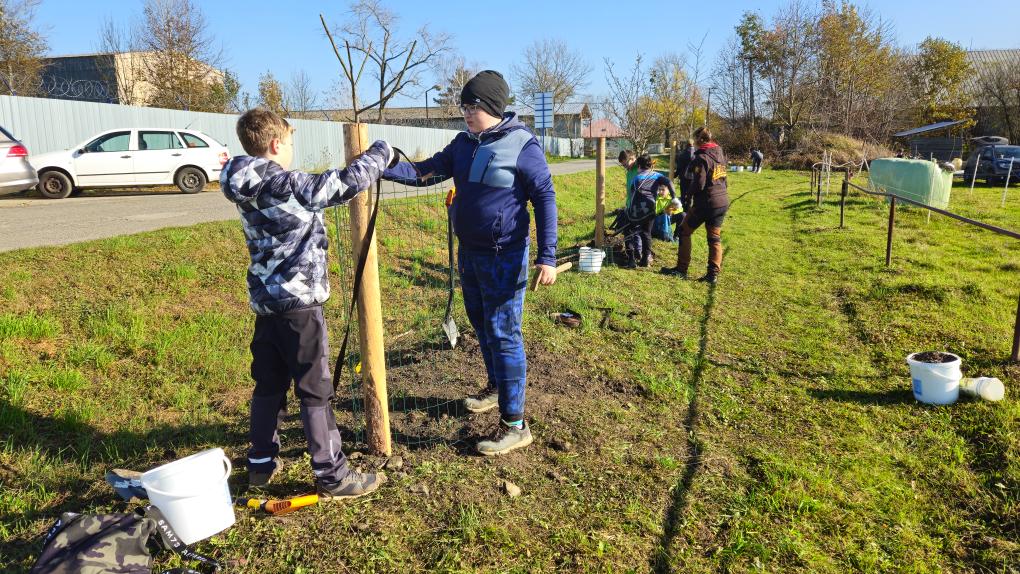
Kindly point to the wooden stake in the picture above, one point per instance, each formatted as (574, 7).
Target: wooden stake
(672, 160)
(370, 325)
(600, 193)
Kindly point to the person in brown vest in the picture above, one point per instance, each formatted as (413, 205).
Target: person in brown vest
(708, 187)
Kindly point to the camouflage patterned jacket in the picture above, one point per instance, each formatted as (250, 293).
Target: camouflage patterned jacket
(281, 212)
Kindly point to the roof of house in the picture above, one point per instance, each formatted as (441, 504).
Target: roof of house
(981, 60)
(602, 129)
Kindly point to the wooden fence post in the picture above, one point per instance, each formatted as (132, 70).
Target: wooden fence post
(672, 160)
(892, 223)
(600, 193)
(370, 325)
(1015, 355)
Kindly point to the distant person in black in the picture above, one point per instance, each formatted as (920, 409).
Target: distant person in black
(684, 158)
(756, 158)
(708, 173)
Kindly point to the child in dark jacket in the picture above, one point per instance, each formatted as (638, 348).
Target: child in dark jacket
(281, 212)
(641, 199)
(497, 167)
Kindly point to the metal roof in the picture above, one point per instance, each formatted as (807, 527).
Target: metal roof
(927, 128)
(983, 61)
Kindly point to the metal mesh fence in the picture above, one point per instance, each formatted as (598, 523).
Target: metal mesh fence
(425, 384)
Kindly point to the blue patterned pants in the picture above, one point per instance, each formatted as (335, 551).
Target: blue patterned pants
(493, 286)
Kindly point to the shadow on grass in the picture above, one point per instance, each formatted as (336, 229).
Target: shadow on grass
(664, 558)
(78, 443)
(893, 397)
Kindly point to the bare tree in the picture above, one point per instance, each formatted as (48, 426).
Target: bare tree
(182, 59)
(122, 70)
(397, 62)
(550, 65)
(299, 94)
(21, 48)
(1000, 84)
(455, 73)
(786, 59)
(629, 104)
(676, 100)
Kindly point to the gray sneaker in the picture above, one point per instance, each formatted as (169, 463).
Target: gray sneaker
(504, 439)
(482, 401)
(257, 478)
(353, 485)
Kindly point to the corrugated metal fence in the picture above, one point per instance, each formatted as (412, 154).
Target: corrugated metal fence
(49, 125)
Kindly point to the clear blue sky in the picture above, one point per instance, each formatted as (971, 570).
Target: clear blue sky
(261, 35)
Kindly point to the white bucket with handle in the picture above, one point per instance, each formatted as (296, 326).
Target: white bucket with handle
(935, 383)
(192, 494)
(590, 260)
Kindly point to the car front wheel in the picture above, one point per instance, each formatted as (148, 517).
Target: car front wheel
(55, 185)
(190, 180)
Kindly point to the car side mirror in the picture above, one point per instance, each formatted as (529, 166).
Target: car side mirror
(81, 150)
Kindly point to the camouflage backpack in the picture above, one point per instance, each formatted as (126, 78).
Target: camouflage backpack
(110, 544)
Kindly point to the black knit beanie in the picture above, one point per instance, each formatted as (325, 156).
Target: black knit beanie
(487, 90)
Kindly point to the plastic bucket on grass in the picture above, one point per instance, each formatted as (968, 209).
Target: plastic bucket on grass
(192, 494)
(935, 383)
(590, 260)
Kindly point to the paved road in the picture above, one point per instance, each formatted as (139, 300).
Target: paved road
(30, 221)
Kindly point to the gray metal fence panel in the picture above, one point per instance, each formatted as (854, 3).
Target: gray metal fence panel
(49, 125)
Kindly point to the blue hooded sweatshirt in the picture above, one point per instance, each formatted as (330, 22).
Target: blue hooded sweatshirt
(281, 212)
(496, 173)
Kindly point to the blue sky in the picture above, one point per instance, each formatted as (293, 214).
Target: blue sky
(258, 35)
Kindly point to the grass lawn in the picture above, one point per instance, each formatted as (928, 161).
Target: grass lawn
(765, 424)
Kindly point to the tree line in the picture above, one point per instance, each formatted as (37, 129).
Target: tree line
(833, 67)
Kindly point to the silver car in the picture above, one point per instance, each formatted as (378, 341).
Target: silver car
(16, 174)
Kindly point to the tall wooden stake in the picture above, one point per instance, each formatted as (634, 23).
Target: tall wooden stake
(672, 159)
(370, 325)
(600, 193)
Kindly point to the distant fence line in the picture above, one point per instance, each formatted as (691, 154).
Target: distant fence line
(49, 125)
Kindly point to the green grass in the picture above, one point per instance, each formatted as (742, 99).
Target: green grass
(764, 425)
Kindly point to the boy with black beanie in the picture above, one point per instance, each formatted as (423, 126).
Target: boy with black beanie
(498, 167)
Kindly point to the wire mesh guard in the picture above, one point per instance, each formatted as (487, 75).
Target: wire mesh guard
(426, 379)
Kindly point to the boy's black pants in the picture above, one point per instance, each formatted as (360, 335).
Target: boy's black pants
(292, 346)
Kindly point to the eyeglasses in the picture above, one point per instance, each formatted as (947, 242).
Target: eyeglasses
(469, 108)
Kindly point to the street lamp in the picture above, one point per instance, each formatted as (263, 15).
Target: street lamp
(435, 87)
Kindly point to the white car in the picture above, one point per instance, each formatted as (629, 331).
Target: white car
(133, 158)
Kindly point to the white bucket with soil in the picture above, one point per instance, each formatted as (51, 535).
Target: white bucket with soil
(935, 377)
(590, 260)
(192, 494)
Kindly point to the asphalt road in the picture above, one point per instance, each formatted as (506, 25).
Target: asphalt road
(31, 221)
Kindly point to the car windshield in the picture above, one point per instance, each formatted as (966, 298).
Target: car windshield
(1007, 152)
(7, 134)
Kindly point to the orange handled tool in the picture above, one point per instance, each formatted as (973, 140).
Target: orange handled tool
(277, 507)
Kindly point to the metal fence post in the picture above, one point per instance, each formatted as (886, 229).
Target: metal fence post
(892, 222)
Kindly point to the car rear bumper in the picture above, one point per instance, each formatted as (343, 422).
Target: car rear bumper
(10, 185)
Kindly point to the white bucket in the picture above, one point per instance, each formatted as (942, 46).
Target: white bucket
(935, 383)
(590, 260)
(192, 494)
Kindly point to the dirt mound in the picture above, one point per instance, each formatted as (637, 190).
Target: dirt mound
(810, 146)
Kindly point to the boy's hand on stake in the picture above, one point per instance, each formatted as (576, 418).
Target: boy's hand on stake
(546, 274)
